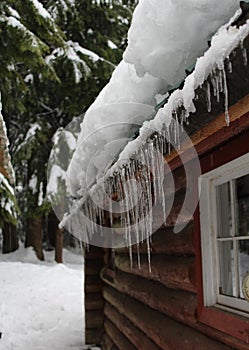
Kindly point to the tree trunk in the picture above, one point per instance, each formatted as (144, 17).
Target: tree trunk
(10, 240)
(59, 246)
(34, 236)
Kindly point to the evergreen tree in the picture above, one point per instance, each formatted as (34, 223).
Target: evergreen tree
(55, 57)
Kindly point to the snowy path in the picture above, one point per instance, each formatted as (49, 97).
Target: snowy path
(41, 304)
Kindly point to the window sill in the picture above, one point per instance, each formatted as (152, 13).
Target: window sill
(234, 325)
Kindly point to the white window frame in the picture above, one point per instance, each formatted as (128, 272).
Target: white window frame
(208, 220)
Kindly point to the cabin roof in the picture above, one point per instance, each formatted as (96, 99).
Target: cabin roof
(236, 71)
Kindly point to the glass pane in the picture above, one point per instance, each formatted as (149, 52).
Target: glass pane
(224, 215)
(242, 205)
(243, 255)
(227, 269)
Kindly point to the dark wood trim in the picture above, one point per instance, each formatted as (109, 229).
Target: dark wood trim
(215, 133)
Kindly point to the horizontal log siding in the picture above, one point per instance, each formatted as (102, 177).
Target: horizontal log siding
(94, 302)
(166, 295)
(173, 272)
(165, 241)
(177, 304)
(107, 343)
(121, 342)
(146, 310)
(157, 307)
(165, 332)
(132, 333)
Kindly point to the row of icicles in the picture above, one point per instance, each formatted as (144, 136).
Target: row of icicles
(119, 212)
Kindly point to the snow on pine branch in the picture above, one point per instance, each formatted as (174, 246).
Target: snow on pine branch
(73, 52)
(15, 23)
(63, 5)
(41, 9)
(13, 12)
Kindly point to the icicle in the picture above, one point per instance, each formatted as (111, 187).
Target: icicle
(131, 256)
(220, 81)
(135, 210)
(109, 194)
(230, 66)
(148, 254)
(244, 53)
(176, 130)
(209, 104)
(153, 166)
(138, 257)
(213, 80)
(226, 96)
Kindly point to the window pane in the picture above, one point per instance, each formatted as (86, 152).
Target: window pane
(242, 205)
(243, 261)
(224, 215)
(227, 269)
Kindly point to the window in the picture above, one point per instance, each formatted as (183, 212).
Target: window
(224, 216)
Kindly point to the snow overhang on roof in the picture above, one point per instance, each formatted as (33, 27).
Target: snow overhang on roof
(220, 78)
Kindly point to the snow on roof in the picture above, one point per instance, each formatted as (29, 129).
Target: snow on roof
(127, 87)
(162, 44)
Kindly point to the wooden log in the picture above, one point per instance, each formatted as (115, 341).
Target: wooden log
(92, 279)
(165, 332)
(107, 343)
(117, 337)
(94, 301)
(177, 304)
(135, 336)
(91, 269)
(94, 318)
(179, 176)
(93, 335)
(165, 241)
(173, 272)
(93, 253)
(176, 216)
(93, 288)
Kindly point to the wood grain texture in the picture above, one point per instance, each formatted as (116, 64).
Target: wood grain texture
(176, 273)
(117, 337)
(132, 333)
(165, 241)
(177, 304)
(165, 332)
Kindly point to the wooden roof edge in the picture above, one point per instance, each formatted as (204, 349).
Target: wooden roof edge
(238, 112)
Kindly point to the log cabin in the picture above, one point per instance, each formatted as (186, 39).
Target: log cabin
(191, 292)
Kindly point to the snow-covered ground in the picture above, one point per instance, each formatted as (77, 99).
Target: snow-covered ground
(41, 303)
